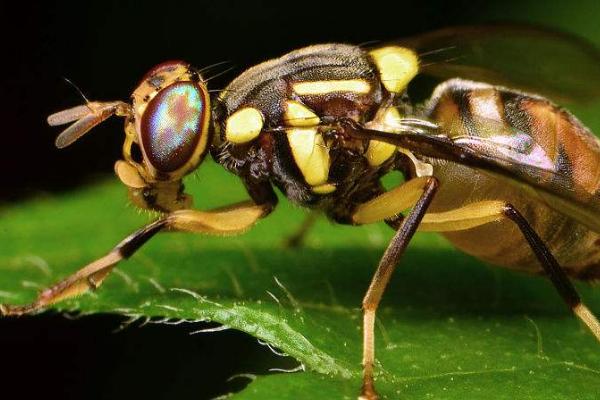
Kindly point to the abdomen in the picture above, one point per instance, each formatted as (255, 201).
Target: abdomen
(562, 138)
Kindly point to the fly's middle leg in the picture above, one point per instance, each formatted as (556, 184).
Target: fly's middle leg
(382, 276)
(296, 239)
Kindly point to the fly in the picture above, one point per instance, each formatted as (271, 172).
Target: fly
(506, 175)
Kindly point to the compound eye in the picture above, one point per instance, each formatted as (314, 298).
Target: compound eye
(173, 124)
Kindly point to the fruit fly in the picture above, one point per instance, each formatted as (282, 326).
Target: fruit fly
(505, 175)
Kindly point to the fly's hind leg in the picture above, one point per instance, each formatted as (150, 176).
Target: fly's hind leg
(469, 216)
(555, 272)
(423, 189)
(229, 221)
(476, 214)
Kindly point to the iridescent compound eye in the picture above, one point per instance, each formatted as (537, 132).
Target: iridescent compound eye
(173, 125)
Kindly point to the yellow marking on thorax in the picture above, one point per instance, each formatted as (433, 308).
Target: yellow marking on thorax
(310, 153)
(397, 66)
(378, 152)
(324, 87)
(244, 125)
(297, 114)
(325, 188)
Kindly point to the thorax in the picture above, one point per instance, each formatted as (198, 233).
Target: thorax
(276, 122)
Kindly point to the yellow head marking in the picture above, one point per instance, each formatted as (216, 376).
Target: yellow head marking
(297, 114)
(378, 152)
(397, 66)
(129, 175)
(310, 154)
(324, 87)
(244, 125)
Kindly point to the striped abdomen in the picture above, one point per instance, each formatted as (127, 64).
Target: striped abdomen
(540, 143)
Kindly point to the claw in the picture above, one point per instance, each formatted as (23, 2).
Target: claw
(368, 396)
(15, 311)
(368, 389)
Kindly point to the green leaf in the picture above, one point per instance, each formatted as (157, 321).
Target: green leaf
(449, 327)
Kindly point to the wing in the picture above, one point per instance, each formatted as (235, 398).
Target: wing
(556, 65)
(519, 161)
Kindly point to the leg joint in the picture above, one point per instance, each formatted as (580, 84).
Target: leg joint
(134, 241)
(511, 212)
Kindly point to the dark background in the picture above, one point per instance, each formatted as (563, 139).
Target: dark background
(105, 47)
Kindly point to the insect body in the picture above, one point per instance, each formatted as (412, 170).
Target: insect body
(343, 172)
(326, 122)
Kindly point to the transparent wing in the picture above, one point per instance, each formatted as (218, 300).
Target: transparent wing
(560, 66)
(504, 152)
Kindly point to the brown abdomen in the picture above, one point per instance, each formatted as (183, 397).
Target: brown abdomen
(560, 141)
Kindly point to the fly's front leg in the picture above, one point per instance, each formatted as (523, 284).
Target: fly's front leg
(423, 189)
(228, 221)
